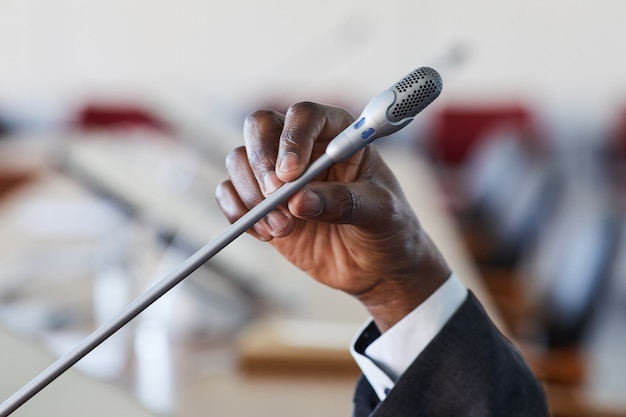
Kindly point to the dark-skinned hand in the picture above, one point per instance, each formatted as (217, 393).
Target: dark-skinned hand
(351, 229)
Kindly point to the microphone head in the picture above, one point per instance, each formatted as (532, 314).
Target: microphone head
(388, 112)
(413, 93)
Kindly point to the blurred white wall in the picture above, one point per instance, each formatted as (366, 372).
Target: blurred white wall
(559, 50)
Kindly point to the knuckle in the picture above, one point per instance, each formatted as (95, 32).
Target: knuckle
(222, 192)
(287, 138)
(303, 108)
(347, 208)
(263, 122)
(347, 203)
(259, 117)
(302, 123)
(234, 158)
(259, 159)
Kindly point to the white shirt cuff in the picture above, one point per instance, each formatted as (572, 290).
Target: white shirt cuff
(387, 357)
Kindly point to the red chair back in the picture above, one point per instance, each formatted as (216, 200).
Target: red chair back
(457, 129)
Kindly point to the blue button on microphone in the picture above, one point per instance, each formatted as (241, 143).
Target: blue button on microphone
(367, 133)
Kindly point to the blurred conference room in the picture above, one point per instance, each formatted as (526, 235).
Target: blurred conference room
(115, 121)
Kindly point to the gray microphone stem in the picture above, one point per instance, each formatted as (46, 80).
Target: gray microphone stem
(163, 286)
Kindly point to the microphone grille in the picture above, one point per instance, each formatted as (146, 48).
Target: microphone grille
(414, 92)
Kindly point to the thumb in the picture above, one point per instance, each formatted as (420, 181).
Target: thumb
(358, 203)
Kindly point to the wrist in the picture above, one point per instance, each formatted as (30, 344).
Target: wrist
(393, 298)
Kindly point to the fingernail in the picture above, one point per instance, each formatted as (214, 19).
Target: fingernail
(311, 204)
(289, 162)
(277, 222)
(262, 232)
(270, 183)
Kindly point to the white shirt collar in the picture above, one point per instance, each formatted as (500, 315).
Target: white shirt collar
(387, 357)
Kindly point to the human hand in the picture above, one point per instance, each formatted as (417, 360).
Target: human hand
(350, 229)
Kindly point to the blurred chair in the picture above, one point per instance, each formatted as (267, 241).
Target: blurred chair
(489, 160)
(619, 133)
(460, 132)
(4, 129)
(507, 192)
(566, 273)
(458, 128)
(605, 345)
(114, 116)
(615, 153)
(569, 267)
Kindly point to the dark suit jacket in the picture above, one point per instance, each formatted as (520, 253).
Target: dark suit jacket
(469, 370)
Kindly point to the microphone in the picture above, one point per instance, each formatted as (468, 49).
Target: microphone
(385, 114)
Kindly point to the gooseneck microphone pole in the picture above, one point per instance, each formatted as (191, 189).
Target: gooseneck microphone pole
(385, 114)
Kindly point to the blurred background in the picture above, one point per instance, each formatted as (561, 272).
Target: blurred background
(116, 117)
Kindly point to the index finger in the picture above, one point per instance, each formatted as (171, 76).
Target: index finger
(261, 134)
(308, 127)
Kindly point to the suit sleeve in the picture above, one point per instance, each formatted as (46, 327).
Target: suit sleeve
(468, 370)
